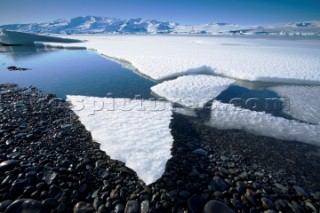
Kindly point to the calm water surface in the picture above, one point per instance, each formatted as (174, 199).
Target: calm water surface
(71, 72)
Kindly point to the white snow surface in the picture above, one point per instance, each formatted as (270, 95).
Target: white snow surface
(160, 57)
(133, 131)
(227, 116)
(304, 102)
(192, 91)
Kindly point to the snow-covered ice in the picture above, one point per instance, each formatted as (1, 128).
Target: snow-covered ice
(227, 116)
(304, 102)
(192, 91)
(133, 131)
(161, 57)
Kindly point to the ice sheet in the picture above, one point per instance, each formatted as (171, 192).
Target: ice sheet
(160, 57)
(304, 102)
(192, 91)
(227, 116)
(133, 131)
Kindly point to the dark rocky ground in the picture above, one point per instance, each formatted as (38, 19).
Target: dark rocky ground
(49, 163)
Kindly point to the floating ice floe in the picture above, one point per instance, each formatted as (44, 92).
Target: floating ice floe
(161, 57)
(227, 116)
(304, 102)
(133, 131)
(192, 91)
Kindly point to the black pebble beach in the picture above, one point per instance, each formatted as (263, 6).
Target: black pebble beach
(49, 163)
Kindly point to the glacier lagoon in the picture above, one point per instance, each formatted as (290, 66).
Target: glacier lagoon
(85, 73)
(79, 72)
(70, 72)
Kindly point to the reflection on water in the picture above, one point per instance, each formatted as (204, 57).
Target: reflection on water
(16, 53)
(70, 72)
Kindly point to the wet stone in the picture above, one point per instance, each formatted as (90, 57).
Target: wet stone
(25, 205)
(132, 206)
(18, 186)
(224, 158)
(119, 208)
(13, 155)
(104, 174)
(8, 165)
(224, 170)
(311, 206)
(62, 207)
(268, 204)
(4, 204)
(295, 207)
(102, 209)
(144, 208)
(244, 175)
(83, 207)
(281, 187)
(50, 177)
(300, 191)
(184, 194)
(50, 202)
(194, 204)
(259, 174)
(215, 206)
(219, 183)
(200, 152)
(96, 203)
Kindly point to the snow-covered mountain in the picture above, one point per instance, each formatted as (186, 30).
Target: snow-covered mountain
(308, 28)
(94, 25)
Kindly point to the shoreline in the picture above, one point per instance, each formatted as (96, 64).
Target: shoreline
(51, 159)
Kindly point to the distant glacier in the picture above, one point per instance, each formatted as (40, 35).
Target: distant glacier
(104, 25)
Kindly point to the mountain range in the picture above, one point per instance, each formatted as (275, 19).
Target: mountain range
(102, 25)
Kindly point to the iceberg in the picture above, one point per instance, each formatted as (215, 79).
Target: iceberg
(192, 91)
(304, 102)
(162, 57)
(227, 116)
(135, 132)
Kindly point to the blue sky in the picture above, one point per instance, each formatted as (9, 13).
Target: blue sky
(181, 11)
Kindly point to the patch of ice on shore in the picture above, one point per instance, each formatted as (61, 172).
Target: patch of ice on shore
(304, 102)
(133, 131)
(192, 91)
(227, 116)
(160, 57)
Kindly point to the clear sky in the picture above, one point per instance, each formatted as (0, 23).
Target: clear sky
(181, 11)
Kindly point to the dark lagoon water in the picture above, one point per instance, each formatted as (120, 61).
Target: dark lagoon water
(261, 100)
(71, 72)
